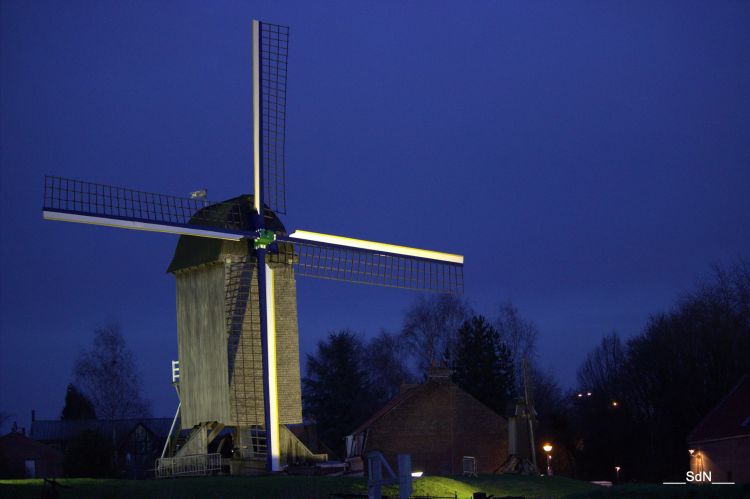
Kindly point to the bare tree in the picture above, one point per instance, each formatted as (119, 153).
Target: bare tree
(431, 327)
(4, 417)
(386, 361)
(519, 335)
(108, 377)
(603, 367)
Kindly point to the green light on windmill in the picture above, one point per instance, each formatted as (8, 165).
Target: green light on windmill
(264, 238)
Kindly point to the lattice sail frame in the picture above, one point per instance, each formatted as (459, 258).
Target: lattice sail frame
(340, 263)
(112, 205)
(87, 202)
(274, 57)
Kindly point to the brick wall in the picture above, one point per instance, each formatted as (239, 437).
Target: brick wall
(438, 425)
(727, 460)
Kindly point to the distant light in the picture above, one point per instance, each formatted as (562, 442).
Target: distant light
(588, 394)
(691, 451)
(417, 474)
(615, 403)
(547, 447)
(580, 395)
(617, 468)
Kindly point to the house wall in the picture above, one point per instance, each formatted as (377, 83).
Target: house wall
(439, 425)
(16, 449)
(723, 457)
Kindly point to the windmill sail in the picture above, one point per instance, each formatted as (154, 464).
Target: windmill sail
(367, 262)
(70, 200)
(269, 101)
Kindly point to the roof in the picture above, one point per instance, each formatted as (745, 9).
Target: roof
(389, 406)
(729, 418)
(192, 251)
(58, 430)
(436, 377)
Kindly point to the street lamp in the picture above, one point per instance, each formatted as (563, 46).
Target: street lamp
(617, 471)
(695, 457)
(548, 449)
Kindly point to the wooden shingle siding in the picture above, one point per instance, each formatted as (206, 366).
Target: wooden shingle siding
(287, 345)
(244, 350)
(201, 339)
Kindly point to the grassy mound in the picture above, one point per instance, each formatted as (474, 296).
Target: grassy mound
(314, 487)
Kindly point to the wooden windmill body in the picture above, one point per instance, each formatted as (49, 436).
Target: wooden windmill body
(218, 333)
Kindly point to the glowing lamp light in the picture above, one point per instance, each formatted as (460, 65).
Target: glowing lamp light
(417, 474)
(588, 394)
(580, 395)
(691, 451)
(615, 403)
(547, 447)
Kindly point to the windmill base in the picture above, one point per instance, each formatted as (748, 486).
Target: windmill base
(519, 465)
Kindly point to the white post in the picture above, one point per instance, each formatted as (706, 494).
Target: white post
(272, 433)
(171, 429)
(256, 116)
(404, 476)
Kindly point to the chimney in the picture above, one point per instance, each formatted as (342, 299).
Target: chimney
(438, 372)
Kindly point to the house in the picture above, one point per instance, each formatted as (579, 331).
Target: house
(137, 442)
(22, 457)
(720, 444)
(436, 422)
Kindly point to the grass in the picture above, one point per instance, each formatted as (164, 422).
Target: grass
(291, 487)
(650, 491)
(297, 487)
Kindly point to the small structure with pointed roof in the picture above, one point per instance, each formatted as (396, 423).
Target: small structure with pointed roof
(439, 424)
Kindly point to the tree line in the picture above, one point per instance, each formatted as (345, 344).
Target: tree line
(636, 399)
(349, 378)
(650, 391)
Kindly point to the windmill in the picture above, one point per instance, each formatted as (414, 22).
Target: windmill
(521, 429)
(235, 265)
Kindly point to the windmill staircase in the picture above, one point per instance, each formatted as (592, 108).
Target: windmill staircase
(187, 455)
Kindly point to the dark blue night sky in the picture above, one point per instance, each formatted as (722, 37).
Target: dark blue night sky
(590, 159)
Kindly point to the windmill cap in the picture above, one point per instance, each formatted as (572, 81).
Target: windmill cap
(236, 213)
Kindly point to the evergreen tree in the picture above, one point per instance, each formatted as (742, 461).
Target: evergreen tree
(336, 391)
(483, 365)
(77, 406)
